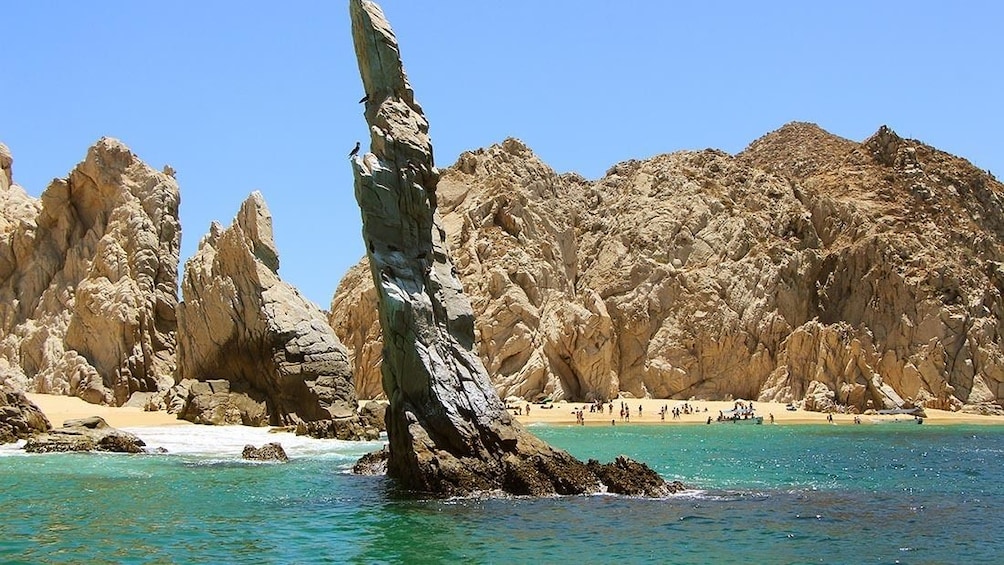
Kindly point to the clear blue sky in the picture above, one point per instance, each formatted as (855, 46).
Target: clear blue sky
(239, 96)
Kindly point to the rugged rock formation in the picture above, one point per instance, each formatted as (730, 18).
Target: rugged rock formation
(268, 452)
(449, 432)
(88, 279)
(216, 402)
(631, 478)
(354, 316)
(870, 270)
(19, 417)
(251, 349)
(86, 434)
(375, 413)
(906, 282)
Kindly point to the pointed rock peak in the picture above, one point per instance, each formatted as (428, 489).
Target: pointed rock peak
(510, 158)
(109, 151)
(794, 135)
(377, 52)
(255, 221)
(884, 145)
(398, 127)
(6, 166)
(799, 129)
(212, 236)
(516, 147)
(111, 143)
(797, 149)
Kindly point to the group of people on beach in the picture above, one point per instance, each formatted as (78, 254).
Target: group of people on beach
(678, 411)
(625, 411)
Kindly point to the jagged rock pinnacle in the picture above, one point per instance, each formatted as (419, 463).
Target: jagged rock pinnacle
(449, 431)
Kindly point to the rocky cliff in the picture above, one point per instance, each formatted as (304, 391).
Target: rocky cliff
(88, 278)
(251, 349)
(866, 273)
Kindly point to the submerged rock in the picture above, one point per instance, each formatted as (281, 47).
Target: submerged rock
(449, 432)
(85, 434)
(629, 477)
(374, 463)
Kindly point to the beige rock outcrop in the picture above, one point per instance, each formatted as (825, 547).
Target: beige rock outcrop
(251, 349)
(871, 269)
(88, 279)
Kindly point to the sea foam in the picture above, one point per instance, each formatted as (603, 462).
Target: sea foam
(225, 441)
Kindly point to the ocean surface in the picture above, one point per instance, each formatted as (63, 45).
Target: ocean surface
(873, 493)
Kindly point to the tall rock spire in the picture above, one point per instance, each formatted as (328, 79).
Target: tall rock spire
(449, 432)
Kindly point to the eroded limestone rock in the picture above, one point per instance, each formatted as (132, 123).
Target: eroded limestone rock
(88, 279)
(251, 349)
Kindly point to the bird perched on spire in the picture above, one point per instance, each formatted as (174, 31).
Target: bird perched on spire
(355, 150)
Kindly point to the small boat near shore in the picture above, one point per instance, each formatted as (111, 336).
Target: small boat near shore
(739, 416)
(916, 411)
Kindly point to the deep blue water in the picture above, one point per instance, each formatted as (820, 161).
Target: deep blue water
(762, 494)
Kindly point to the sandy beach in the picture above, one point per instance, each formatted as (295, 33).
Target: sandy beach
(61, 408)
(564, 413)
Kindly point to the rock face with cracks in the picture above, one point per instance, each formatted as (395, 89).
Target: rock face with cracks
(88, 279)
(808, 268)
(251, 349)
(449, 432)
(20, 418)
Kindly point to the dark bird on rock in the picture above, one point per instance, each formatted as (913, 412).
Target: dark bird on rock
(364, 98)
(355, 150)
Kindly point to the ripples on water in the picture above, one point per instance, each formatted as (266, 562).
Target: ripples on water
(763, 494)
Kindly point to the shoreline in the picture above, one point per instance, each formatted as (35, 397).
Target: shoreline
(61, 408)
(563, 413)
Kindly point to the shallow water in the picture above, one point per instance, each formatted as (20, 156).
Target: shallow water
(763, 494)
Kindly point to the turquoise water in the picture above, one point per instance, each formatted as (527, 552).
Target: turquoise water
(763, 494)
